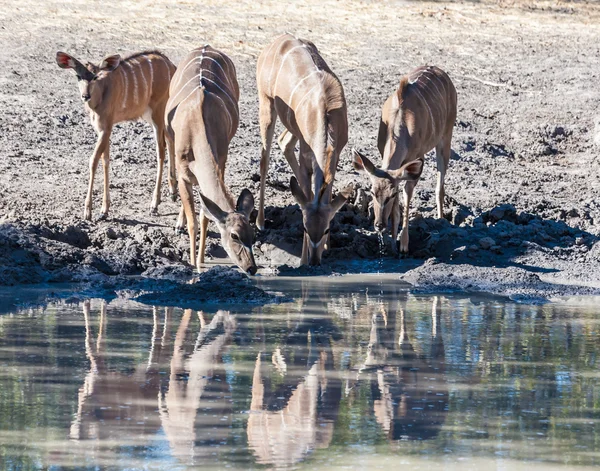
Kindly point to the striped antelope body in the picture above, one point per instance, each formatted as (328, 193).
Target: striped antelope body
(123, 89)
(296, 85)
(417, 117)
(202, 117)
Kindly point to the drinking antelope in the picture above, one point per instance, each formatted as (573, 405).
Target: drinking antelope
(417, 117)
(124, 89)
(202, 117)
(296, 84)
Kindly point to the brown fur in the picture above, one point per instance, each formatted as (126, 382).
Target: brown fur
(119, 90)
(202, 117)
(417, 117)
(296, 85)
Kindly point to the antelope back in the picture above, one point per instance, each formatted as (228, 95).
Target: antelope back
(306, 92)
(137, 85)
(421, 112)
(206, 77)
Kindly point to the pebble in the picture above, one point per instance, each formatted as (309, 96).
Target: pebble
(486, 243)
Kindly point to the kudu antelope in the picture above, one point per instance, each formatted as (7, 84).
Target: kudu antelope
(296, 396)
(417, 117)
(410, 390)
(296, 84)
(202, 117)
(123, 89)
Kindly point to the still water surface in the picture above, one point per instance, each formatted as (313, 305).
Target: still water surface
(355, 373)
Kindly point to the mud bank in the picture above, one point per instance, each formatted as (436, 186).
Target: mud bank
(523, 204)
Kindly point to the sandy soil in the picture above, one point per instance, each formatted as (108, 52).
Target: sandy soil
(525, 171)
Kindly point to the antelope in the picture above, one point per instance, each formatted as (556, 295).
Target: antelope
(296, 85)
(202, 117)
(410, 389)
(124, 89)
(417, 117)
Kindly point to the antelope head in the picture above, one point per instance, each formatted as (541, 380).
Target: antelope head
(384, 184)
(237, 235)
(317, 216)
(90, 76)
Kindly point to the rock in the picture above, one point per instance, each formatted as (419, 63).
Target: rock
(504, 211)
(579, 241)
(111, 234)
(486, 243)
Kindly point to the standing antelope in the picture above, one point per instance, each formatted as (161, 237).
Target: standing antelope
(296, 84)
(202, 117)
(417, 117)
(123, 89)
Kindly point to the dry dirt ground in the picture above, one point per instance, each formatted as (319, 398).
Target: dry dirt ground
(524, 174)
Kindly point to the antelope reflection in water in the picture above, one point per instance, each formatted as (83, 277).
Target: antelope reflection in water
(410, 390)
(295, 392)
(127, 409)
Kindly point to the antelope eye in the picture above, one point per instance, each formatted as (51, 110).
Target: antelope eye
(234, 236)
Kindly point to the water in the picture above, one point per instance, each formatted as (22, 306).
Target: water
(356, 373)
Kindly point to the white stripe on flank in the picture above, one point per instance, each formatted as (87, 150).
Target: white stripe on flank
(416, 88)
(151, 74)
(215, 95)
(441, 102)
(296, 88)
(266, 55)
(226, 94)
(304, 97)
(146, 89)
(200, 59)
(125, 87)
(281, 66)
(135, 84)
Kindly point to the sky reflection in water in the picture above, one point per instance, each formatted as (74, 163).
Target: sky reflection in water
(354, 373)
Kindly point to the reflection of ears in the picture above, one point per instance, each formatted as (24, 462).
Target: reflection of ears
(245, 202)
(212, 210)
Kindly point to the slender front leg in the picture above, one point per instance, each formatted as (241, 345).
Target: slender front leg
(287, 143)
(172, 175)
(102, 145)
(442, 154)
(181, 221)
(106, 195)
(395, 223)
(187, 199)
(203, 227)
(267, 119)
(159, 135)
(409, 188)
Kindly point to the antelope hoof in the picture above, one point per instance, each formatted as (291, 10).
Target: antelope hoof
(153, 211)
(179, 230)
(102, 217)
(174, 196)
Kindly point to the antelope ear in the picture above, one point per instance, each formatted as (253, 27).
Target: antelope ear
(340, 199)
(65, 61)
(110, 62)
(212, 210)
(297, 192)
(245, 202)
(361, 163)
(409, 171)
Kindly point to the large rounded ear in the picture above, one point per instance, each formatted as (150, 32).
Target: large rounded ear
(297, 192)
(340, 199)
(212, 210)
(245, 202)
(110, 62)
(362, 163)
(409, 171)
(65, 61)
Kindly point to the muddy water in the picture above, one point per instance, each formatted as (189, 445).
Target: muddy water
(355, 373)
